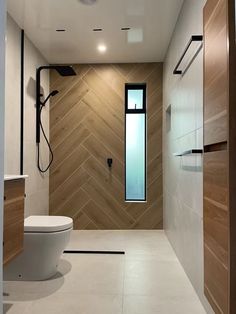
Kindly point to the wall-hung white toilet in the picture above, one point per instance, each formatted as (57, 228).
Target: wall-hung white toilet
(45, 238)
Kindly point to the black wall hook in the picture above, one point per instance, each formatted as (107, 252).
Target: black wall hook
(109, 162)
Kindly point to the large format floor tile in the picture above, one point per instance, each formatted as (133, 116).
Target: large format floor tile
(148, 279)
(73, 303)
(155, 305)
(155, 278)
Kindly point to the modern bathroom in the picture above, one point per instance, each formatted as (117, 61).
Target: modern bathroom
(117, 140)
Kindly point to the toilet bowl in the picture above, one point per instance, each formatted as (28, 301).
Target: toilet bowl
(45, 238)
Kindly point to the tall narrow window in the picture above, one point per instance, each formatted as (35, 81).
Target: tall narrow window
(135, 142)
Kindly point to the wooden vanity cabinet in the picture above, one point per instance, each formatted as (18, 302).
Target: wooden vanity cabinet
(13, 229)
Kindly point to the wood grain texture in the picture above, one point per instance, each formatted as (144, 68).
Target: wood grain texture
(215, 72)
(86, 128)
(216, 228)
(219, 156)
(231, 151)
(13, 231)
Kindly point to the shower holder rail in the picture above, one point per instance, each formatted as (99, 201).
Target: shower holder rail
(189, 152)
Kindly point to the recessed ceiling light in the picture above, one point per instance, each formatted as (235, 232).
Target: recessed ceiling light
(88, 2)
(102, 48)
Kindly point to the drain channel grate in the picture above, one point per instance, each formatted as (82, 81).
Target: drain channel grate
(93, 252)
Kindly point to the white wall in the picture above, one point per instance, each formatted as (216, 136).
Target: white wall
(2, 105)
(12, 107)
(183, 177)
(37, 185)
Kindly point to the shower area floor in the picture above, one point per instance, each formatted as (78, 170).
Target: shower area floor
(148, 279)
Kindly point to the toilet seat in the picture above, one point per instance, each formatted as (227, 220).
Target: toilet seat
(47, 224)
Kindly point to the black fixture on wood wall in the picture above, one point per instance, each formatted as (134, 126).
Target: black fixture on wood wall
(193, 39)
(109, 162)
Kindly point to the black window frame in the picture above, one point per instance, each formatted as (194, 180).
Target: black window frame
(143, 87)
(136, 86)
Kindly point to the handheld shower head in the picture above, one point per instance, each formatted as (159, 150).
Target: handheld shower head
(52, 94)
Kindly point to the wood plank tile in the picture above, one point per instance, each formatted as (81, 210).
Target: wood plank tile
(114, 79)
(155, 102)
(141, 72)
(68, 146)
(135, 210)
(81, 221)
(70, 122)
(155, 169)
(125, 68)
(103, 91)
(66, 189)
(108, 203)
(67, 102)
(111, 119)
(64, 84)
(97, 215)
(71, 164)
(91, 226)
(101, 153)
(105, 135)
(70, 208)
(151, 216)
(88, 115)
(104, 177)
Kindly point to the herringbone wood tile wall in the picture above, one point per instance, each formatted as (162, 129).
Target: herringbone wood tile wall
(87, 127)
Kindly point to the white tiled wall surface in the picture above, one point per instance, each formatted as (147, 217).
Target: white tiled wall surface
(12, 103)
(183, 177)
(37, 185)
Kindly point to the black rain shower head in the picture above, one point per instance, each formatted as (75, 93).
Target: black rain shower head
(64, 70)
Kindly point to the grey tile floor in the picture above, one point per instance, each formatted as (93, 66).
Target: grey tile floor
(148, 279)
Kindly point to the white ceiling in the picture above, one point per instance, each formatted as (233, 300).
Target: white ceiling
(151, 21)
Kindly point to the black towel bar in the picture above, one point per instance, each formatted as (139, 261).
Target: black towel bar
(194, 38)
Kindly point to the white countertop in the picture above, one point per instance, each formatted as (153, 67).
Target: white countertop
(8, 177)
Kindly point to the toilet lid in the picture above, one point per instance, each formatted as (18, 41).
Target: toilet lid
(47, 223)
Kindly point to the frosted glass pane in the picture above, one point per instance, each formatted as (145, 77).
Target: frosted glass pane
(135, 157)
(135, 99)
